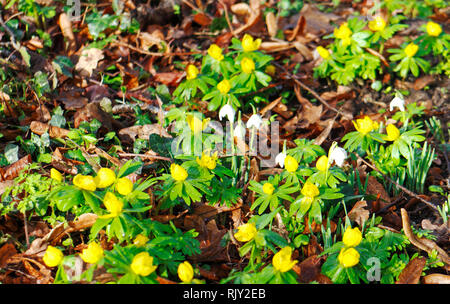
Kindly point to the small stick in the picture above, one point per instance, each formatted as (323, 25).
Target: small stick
(145, 156)
(407, 191)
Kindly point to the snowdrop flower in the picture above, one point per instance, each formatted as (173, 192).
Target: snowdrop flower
(228, 111)
(279, 159)
(338, 155)
(397, 102)
(239, 130)
(254, 121)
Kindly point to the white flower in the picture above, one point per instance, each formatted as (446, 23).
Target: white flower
(228, 111)
(254, 121)
(279, 159)
(338, 155)
(239, 130)
(397, 102)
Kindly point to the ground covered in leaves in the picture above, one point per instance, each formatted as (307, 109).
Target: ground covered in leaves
(116, 86)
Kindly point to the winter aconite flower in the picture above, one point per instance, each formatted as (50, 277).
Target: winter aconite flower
(310, 191)
(291, 164)
(344, 33)
(433, 29)
(247, 65)
(397, 102)
(323, 52)
(392, 132)
(124, 186)
(92, 254)
(322, 163)
(338, 155)
(364, 125)
(105, 177)
(227, 111)
(53, 256)
(112, 204)
(268, 188)
(224, 86)
(255, 121)
(270, 69)
(215, 52)
(249, 44)
(178, 173)
(208, 161)
(348, 257)
(282, 260)
(85, 182)
(352, 237)
(195, 124)
(191, 72)
(56, 175)
(140, 240)
(411, 50)
(377, 25)
(142, 264)
(185, 272)
(245, 232)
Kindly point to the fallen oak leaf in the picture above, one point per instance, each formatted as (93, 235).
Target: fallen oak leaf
(436, 278)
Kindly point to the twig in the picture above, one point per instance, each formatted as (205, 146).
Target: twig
(27, 238)
(153, 53)
(227, 18)
(407, 191)
(145, 156)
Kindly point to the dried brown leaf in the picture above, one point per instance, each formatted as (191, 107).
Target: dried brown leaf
(436, 278)
(412, 272)
(359, 213)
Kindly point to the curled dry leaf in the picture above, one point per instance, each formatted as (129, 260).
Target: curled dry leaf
(241, 9)
(271, 22)
(436, 278)
(13, 170)
(66, 29)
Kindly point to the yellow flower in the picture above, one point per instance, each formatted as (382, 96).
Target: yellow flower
(185, 272)
(224, 86)
(392, 132)
(215, 52)
(112, 204)
(411, 50)
(195, 124)
(352, 237)
(322, 163)
(124, 186)
(247, 65)
(433, 29)
(105, 177)
(268, 188)
(282, 260)
(140, 240)
(85, 182)
(310, 190)
(377, 25)
(191, 72)
(270, 69)
(344, 33)
(178, 173)
(323, 52)
(290, 164)
(246, 232)
(348, 257)
(250, 45)
(364, 125)
(143, 264)
(208, 161)
(92, 254)
(56, 175)
(53, 256)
